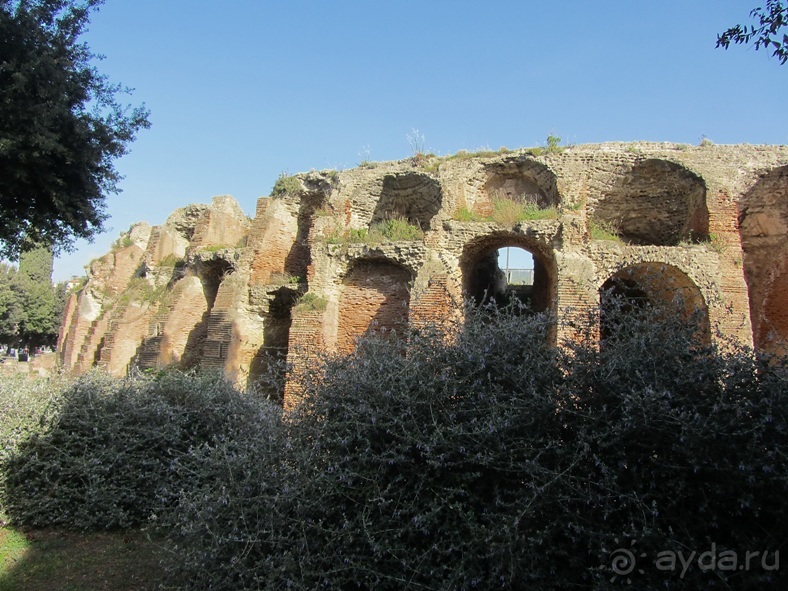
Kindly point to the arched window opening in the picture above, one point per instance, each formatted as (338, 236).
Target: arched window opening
(506, 275)
(635, 289)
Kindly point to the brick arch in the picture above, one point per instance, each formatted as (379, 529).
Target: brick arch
(641, 285)
(763, 228)
(374, 298)
(481, 276)
(521, 179)
(412, 196)
(656, 202)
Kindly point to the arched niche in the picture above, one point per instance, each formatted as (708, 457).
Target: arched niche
(635, 288)
(657, 202)
(763, 227)
(485, 282)
(521, 180)
(412, 196)
(374, 298)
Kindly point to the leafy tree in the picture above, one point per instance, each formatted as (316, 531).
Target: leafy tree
(61, 126)
(766, 34)
(41, 314)
(30, 306)
(10, 305)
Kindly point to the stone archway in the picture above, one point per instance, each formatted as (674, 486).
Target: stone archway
(411, 196)
(484, 282)
(637, 287)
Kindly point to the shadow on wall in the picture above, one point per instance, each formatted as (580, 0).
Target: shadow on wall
(267, 366)
(299, 257)
(211, 274)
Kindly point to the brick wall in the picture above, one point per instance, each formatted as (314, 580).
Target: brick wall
(375, 298)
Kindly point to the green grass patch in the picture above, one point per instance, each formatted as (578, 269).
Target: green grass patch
(122, 241)
(397, 229)
(170, 261)
(45, 560)
(507, 212)
(216, 247)
(603, 230)
(143, 291)
(311, 302)
(466, 215)
(393, 230)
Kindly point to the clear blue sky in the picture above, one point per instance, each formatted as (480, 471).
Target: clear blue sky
(242, 90)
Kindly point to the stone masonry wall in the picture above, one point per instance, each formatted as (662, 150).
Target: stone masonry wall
(314, 270)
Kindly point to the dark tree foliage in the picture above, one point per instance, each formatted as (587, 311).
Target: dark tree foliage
(766, 34)
(41, 307)
(61, 126)
(10, 305)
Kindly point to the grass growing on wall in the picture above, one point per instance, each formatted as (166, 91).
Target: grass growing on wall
(311, 302)
(603, 230)
(391, 230)
(508, 212)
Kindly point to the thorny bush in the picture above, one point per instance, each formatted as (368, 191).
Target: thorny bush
(104, 453)
(482, 457)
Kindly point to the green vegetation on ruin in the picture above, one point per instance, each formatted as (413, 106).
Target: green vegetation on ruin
(508, 212)
(390, 230)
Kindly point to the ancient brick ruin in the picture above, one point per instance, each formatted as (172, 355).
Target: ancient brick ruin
(214, 289)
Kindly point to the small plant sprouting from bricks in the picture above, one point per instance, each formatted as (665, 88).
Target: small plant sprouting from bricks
(311, 302)
(717, 243)
(464, 214)
(122, 241)
(554, 144)
(365, 157)
(324, 211)
(285, 279)
(510, 211)
(286, 185)
(416, 142)
(397, 229)
(603, 230)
